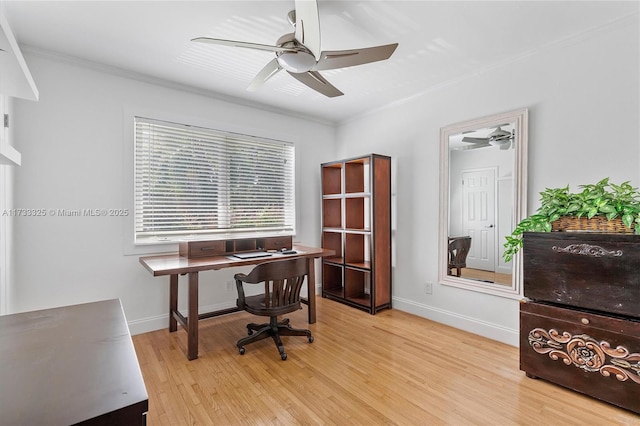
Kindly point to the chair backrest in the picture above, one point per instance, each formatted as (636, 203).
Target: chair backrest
(458, 250)
(282, 280)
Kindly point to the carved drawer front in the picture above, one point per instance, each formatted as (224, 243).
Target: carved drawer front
(594, 354)
(590, 271)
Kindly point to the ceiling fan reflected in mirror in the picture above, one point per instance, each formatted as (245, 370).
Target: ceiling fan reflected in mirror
(498, 137)
(300, 55)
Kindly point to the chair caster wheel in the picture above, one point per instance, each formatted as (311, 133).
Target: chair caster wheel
(241, 350)
(310, 339)
(283, 356)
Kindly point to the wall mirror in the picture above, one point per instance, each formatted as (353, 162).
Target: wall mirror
(483, 195)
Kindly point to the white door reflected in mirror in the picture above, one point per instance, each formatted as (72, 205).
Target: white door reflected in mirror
(479, 216)
(482, 197)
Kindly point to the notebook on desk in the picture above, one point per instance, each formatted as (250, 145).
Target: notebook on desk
(251, 254)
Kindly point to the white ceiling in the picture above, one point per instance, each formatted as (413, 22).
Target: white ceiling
(439, 42)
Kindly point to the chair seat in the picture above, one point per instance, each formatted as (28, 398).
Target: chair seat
(257, 306)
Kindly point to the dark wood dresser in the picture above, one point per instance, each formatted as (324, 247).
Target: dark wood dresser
(580, 321)
(70, 365)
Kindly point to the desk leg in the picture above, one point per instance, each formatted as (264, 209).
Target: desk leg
(192, 320)
(173, 302)
(311, 290)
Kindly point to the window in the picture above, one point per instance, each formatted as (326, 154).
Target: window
(197, 182)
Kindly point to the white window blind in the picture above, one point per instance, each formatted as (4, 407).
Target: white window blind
(192, 181)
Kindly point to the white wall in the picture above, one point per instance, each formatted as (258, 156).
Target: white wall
(583, 98)
(73, 157)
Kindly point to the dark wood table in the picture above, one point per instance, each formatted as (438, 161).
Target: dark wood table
(69, 365)
(174, 265)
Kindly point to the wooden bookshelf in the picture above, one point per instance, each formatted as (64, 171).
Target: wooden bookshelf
(356, 224)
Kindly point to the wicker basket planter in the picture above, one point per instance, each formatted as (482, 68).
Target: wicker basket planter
(596, 224)
(600, 200)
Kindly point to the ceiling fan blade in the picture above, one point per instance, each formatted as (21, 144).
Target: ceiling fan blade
(475, 140)
(265, 74)
(234, 43)
(308, 25)
(318, 83)
(347, 58)
(474, 146)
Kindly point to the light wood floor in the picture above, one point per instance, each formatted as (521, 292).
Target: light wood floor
(393, 368)
(479, 274)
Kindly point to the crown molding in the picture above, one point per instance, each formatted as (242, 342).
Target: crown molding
(145, 78)
(596, 31)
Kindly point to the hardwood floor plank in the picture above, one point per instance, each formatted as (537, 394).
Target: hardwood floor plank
(393, 368)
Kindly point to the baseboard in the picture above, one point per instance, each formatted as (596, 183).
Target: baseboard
(462, 322)
(146, 325)
(453, 319)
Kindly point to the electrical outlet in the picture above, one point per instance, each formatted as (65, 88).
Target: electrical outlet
(229, 285)
(428, 288)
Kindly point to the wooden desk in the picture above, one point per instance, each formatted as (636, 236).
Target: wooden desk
(174, 265)
(69, 365)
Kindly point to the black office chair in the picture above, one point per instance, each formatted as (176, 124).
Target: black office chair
(282, 283)
(458, 251)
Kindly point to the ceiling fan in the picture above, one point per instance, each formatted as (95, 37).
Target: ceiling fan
(498, 137)
(299, 52)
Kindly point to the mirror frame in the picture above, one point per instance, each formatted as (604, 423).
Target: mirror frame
(521, 118)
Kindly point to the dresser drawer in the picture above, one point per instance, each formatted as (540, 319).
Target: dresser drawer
(594, 354)
(277, 243)
(202, 248)
(193, 249)
(591, 271)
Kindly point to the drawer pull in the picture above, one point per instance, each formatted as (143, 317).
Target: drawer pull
(585, 321)
(587, 250)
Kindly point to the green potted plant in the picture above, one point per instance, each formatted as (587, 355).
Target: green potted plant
(602, 200)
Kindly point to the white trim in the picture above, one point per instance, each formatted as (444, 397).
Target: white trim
(486, 329)
(4, 244)
(472, 325)
(570, 40)
(159, 322)
(17, 80)
(520, 119)
(145, 78)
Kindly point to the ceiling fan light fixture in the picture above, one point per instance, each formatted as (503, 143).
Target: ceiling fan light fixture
(299, 52)
(296, 62)
(498, 134)
(500, 142)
